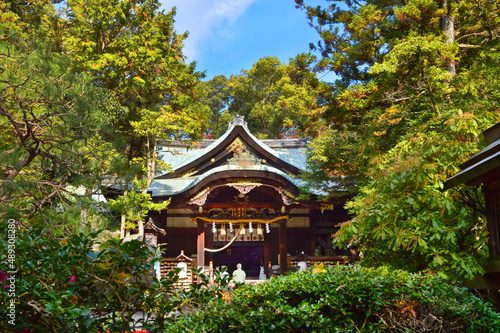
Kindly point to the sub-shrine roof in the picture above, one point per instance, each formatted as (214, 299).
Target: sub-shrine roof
(480, 164)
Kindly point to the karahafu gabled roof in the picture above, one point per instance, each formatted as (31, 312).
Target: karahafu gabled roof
(236, 150)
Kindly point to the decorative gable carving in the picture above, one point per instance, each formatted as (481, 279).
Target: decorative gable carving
(243, 157)
(236, 145)
(244, 188)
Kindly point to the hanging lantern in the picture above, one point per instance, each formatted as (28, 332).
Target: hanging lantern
(223, 230)
(242, 230)
(259, 229)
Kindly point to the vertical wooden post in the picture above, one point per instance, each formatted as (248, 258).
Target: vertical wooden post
(266, 251)
(491, 194)
(312, 221)
(211, 272)
(283, 248)
(209, 243)
(200, 244)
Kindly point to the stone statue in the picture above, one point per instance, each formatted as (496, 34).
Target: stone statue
(262, 275)
(302, 266)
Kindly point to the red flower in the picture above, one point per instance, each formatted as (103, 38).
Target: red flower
(3, 276)
(72, 279)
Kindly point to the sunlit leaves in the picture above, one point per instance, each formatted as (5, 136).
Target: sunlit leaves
(132, 50)
(277, 100)
(402, 217)
(393, 61)
(50, 120)
(345, 299)
(66, 284)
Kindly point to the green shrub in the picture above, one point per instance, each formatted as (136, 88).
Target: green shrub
(345, 299)
(63, 285)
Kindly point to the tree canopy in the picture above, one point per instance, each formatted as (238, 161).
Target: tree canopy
(277, 99)
(86, 90)
(418, 82)
(50, 120)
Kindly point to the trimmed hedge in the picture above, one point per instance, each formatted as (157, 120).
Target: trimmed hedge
(345, 299)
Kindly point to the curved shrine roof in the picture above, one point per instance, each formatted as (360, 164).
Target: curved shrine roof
(236, 150)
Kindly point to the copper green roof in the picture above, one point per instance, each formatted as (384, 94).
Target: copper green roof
(288, 160)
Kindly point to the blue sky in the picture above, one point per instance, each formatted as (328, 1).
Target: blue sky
(226, 36)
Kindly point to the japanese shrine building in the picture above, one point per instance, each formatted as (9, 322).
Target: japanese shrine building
(236, 200)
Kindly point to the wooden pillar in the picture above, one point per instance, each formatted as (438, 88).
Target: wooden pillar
(267, 240)
(312, 226)
(283, 249)
(209, 243)
(491, 193)
(200, 244)
(162, 239)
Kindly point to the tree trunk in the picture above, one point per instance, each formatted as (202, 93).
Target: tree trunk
(122, 227)
(448, 27)
(151, 164)
(84, 212)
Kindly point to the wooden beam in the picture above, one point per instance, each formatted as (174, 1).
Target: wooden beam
(210, 206)
(275, 205)
(283, 247)
(207, 208)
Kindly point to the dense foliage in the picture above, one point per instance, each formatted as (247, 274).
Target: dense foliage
(404, 219)
(418, 83)
(345, 299)
(77, 284)
(85, 91)
(66, 285)
(50, 118)
(278, 100)
(132, 49)
(393, 62)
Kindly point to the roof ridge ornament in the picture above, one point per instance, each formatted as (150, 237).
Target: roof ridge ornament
(238, 120)
(152, 226)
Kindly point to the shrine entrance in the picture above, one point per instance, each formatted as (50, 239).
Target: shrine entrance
(241, 242)
(240, 235)
(249, 254)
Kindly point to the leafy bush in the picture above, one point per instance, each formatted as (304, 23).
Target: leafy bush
(63, 285)
(403, 219)
(345, 299)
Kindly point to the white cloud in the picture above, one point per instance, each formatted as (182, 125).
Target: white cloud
(205, 19)
(229, 10)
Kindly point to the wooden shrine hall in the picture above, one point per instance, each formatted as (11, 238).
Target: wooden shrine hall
(236, 200)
